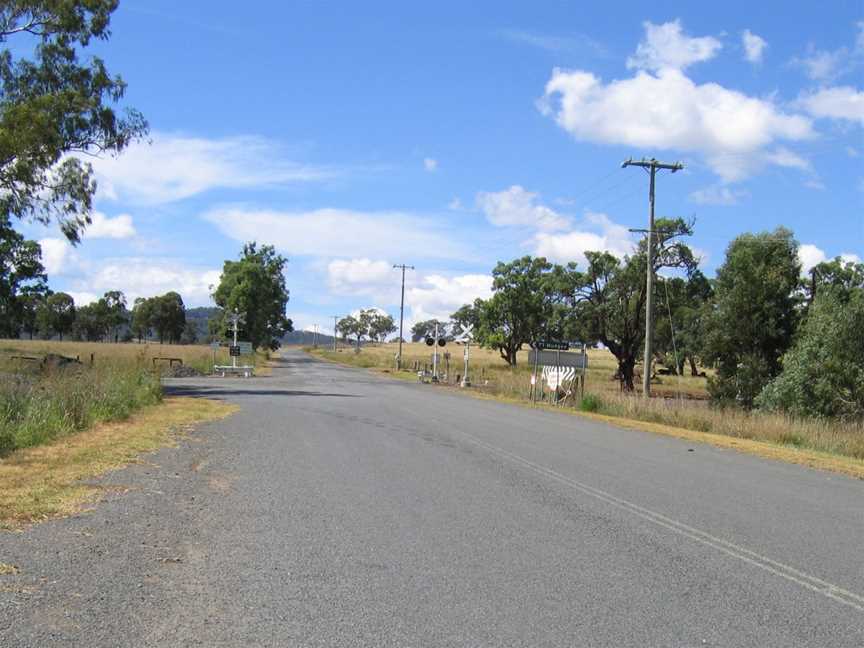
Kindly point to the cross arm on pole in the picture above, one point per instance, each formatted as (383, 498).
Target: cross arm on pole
(652, 163)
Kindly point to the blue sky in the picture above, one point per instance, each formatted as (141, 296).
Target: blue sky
(353, 136)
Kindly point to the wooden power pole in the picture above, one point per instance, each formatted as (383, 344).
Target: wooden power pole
(651, 167)
(403, 267)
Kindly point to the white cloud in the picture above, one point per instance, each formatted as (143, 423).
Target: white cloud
(754, 46)
(426, 296)
(174, 167)
(146, 277)
(825, 65)
(83, 298)
(717, 195)
(119, 227)
(782, 156)
(437, 296)
(668, 111)
(599, 234)
(430, 164)
(57, 255)
(667, 47)
(839, 102)
(849, 257)
(339, 232)
(353, 276)
(809, 255)
(455, 205)
(517, 207)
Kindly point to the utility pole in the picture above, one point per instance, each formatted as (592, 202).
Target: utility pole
(651, 167)
(335, 333)
(401, 313)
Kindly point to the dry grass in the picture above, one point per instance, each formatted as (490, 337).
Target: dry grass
(49, 480)
(198, 356)
(679, 406)
(487, 365)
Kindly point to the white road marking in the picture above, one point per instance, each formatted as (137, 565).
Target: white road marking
(850, 599)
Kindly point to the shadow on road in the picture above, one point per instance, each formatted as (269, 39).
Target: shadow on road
(194, 390)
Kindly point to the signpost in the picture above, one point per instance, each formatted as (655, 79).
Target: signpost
(559, 365)
(466, 336)
(552, 345)
(235, 350)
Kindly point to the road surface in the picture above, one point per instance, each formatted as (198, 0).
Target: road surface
(339, 508)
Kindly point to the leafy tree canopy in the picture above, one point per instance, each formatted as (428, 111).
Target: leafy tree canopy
(55, 107)
(21, 273)
(752, 321)
(823, 373)
(254, 287)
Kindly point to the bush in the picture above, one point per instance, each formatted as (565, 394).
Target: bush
(823, 373)
(590, 403)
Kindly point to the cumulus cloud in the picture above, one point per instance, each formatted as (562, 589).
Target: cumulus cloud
(347, 276)
(668, 111)
(430, 164)
(838, 102)
(339, 232)
(666, 46)
(598, 233)
(717, 195)
(146, 277)
(57, 255)
(437, 296)
(517, 207)
(174, 167)
(426, 296)
(809, 255)
(119, 227)
(754, 46)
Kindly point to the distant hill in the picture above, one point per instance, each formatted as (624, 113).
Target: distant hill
(306, 338)
(200, 317)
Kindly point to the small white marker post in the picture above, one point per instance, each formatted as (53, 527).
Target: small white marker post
(235, 318)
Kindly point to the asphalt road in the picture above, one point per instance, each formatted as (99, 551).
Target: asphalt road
(338, 508)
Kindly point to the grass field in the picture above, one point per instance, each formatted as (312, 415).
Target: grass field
(198, 356)
(679, 403)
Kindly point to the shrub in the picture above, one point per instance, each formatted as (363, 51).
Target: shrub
(823, 373)
(590, 403)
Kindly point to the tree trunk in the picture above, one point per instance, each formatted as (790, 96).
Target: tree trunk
(693, 370)
(625, 373)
